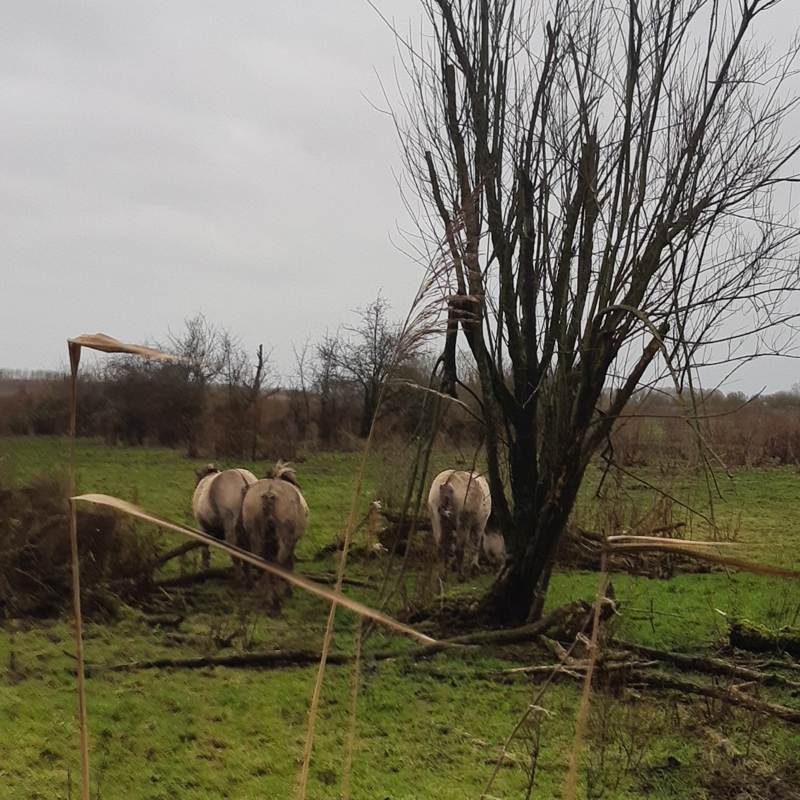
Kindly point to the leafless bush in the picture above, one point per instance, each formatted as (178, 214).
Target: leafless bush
(116, 562)
(366, 353)
(745, 432)
(621, 735)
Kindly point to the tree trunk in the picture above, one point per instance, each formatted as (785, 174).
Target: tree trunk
(541, 514)
(367, 412)
(254, 432)
(326, 418)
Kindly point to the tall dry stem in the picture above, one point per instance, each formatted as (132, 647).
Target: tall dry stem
(105, 344)
(571, 781)
(74, 360)
(420, 322)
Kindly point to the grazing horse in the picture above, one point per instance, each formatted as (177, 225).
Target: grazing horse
(459, 504)
(275, 516)
(494, 547)
(217, 505)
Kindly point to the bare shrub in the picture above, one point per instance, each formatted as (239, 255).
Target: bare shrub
(116, 561)
(366, 354)
(745, 432)
(621, 733)
(619, 508)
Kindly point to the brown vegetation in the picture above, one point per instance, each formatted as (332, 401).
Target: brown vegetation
(116, 562)
(760, 431)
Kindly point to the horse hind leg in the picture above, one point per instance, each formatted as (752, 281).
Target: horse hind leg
(476, 542)
(266, 594)
(242, 541)
(232, 538)
(461, 548)
(447, 551)
(268, 550)
(285, 556)
(468, 553)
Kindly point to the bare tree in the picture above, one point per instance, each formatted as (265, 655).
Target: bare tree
(245, 380)
(366, 355)
(203, 345)
(261, 370)
(601, 178)
(326, 379)
(302, 360)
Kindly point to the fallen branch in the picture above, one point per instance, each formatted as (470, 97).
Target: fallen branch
(779, 664)
(222, 573)
(731, 695)
(186, 547)
(710, 666)
(281, 658)
(191, 578)
(747, 636)
(329, 577)
(419, 522)
(277, 658)
(574, 668)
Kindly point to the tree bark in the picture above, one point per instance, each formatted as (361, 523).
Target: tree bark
(368, 412)
(540, 520)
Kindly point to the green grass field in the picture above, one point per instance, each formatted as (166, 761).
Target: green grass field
(430, 729)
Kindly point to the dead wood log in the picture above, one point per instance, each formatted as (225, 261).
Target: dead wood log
(186, 547)
(221, 573)
(191, 578)
(421, 522)
(731, 695)
(277, 658)
(580, 548)
(710, 666)
(164, 620)
(779, 664)
(747, 636)
(575, 668)
(280, 658)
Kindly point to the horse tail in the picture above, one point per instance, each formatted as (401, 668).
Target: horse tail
(269, 527)
(284, 471)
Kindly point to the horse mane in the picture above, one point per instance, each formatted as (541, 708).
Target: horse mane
(208, 469)
(283, 471)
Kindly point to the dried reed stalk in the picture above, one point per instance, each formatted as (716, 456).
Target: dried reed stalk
(333, 596)
(698, 550)
(571, 781)
(105, 344)
(83, 725)
(351, 728)
(533, 707)
(302, 784)
(108, 344)
(418, 324)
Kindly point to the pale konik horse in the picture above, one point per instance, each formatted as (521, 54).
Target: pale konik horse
(275, 516)
(217, 505)
(459, 504)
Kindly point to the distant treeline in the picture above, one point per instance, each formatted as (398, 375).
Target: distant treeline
(758, 431)
(16, 375)
(223, 401)
(138, 402)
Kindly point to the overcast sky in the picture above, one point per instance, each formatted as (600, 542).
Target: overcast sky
(163, 159)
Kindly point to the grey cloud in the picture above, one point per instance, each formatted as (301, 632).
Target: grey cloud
(159, 159)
